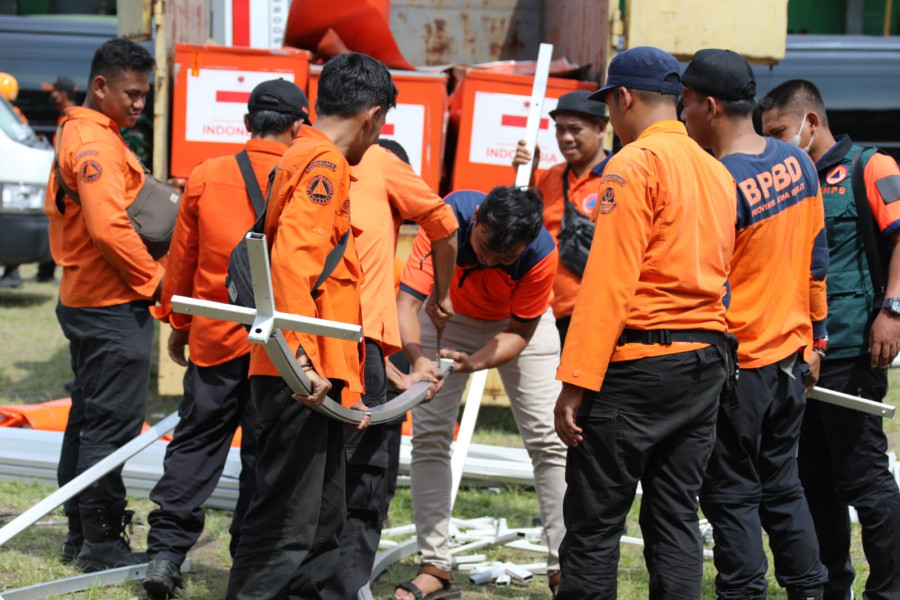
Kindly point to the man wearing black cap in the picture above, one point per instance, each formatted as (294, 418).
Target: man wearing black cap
(62, 94)
(777, 308)
(569, 192)
(646, 357)
(216, 210)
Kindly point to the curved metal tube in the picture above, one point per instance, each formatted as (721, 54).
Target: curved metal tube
(266, 324)
(283, 358)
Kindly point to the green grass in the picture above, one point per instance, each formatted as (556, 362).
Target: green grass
(34, 364)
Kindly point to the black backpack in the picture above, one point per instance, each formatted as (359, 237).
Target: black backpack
(238, 281)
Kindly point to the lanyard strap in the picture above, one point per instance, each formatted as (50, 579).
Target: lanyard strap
(565, 177)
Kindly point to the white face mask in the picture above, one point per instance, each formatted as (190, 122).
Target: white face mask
(795, 141)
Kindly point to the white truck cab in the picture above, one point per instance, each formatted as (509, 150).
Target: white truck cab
(25, 163)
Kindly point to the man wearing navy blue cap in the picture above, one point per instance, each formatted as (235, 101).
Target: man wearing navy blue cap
(778, 305)
(646, 357)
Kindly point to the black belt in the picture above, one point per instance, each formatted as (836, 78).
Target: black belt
(665, 337)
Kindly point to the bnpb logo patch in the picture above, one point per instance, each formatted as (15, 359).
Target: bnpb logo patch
(91, 171)
(608, 203)
(836, 175)
(588, 203)
(320, 190)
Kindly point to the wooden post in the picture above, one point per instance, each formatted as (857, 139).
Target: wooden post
(161, 94)
(888, 9)
(182, 21)
(616, 29)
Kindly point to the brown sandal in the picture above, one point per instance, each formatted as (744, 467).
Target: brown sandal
(447, 592)
(553, 581)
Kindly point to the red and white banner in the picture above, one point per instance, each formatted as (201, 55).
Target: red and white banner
(217, 102)
(499, 125)
(256, 23)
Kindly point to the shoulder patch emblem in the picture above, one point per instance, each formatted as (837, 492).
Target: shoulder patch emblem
(86, 153)
(836, 175)
(608, 203)
(321, 163)
(91, 171)
(320, 190)
(614, 178)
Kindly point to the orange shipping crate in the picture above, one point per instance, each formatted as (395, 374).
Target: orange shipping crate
(489, 111)
(418, 123)
(210, 93)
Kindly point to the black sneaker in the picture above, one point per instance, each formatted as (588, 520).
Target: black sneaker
(69, 551)
(11, 279)
(163, 580)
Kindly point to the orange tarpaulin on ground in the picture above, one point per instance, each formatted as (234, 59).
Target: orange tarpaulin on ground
(349, 25)
(49, 416)
(53, 416)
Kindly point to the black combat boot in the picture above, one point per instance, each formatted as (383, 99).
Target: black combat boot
(163, 580)
(74, 538)
(807, 593)
(106, 544)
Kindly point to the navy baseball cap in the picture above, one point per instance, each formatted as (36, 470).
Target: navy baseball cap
(579, 102)
(642, 68)
(721, 74)
(279, 95)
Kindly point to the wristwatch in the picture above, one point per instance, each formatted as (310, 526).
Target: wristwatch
(892, 305)
(820, 345)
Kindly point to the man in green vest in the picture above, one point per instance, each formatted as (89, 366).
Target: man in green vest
(842, 456)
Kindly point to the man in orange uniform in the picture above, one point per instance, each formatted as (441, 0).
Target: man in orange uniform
(843, 452)
(777, 307)
(108, 283)
(501, 292)
(580, 128)
(216, 211)
(385, 192)
(647, 358)
(289, 539)
(62, 94)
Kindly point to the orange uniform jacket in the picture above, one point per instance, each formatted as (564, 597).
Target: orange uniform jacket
(521, 290)
(583, 195)
(104, 261)
(661, 252)
(308, 213)
(214, 215)
(780, 255)
(386, 191)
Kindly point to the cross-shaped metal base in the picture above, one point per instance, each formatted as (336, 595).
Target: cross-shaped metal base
(266, 324)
